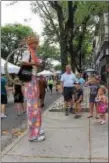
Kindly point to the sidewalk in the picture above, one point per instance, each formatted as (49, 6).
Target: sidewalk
(13, 125)
(67, 140)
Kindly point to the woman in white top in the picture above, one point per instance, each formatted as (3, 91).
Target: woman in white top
(32, 91)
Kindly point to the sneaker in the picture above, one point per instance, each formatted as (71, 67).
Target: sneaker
(3, 116)
(41, 132)
(40, 138)
(102, 122)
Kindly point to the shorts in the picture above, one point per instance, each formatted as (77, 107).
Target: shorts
(50, 86)
(68, 91)
(3, 99)
(92, 99)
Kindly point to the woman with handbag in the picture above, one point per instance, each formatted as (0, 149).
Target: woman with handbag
(18, 97)
(27, 74)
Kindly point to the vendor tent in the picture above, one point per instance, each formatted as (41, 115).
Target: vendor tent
(11, 67)
(58, 72)
(90, 70)
(45, 73)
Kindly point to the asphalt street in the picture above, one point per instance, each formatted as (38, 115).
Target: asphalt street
(13, 123)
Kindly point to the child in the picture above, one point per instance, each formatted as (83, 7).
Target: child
(77, 99)
(94, 86)
(102, 104)
(18, 96)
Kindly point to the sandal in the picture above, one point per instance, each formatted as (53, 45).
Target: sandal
(90, 116)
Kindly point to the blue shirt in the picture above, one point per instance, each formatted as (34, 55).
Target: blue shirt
(3, 86)
(81, 81)
(68, 79)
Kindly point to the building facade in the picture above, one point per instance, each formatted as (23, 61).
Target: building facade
(101, 45)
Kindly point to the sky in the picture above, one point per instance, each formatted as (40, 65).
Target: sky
(17, 13)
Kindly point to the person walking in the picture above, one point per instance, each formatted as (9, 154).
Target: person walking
(18, 97)
(57, 85)
(3, 97)
(67, 84)
(32, 91)
(50, 84)
(42, 89)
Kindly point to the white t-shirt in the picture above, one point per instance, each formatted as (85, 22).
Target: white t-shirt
(26, 58)
(68, 79)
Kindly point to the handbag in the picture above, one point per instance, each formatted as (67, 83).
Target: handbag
(25, 73)
(102, 107)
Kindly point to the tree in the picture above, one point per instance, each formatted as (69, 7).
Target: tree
(48, 53)
(72, 21)
(11, 36)
(67, 21)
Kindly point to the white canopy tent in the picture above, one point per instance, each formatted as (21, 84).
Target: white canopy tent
(90, 70)
(11, 68)
(58, 72)
(45, 73)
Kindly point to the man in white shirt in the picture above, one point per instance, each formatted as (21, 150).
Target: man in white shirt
(67, 81)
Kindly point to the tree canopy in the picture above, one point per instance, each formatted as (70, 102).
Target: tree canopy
(11, 36)
(48, 53)
(71, 24)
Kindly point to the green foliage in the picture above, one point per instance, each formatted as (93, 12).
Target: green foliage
(91, 8)
(57, 67)
(86, 10)
(48, 51)
(11, 36)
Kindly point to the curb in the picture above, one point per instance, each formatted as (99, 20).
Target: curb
(15, 142)
(45, 112)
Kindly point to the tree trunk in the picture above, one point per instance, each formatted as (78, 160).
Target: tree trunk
(64, 58)
(63, 41)
(70, 35)
(66, 32)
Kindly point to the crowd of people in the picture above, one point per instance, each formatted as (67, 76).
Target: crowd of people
(29, 96)
(46, 84)
(72, 88)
